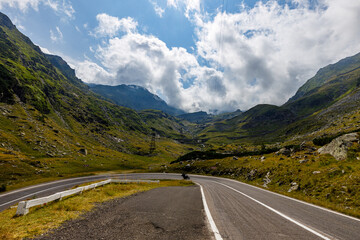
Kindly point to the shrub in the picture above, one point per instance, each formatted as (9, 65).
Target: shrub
(3, 188)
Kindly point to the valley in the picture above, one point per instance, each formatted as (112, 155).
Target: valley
(54, 126)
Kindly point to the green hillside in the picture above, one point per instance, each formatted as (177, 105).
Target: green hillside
(52, 125)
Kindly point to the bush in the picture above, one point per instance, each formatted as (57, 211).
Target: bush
(323, 140)
(3, 188)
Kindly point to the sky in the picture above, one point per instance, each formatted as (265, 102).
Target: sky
(209, 55)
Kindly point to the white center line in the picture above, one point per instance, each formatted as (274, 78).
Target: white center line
(279, 213)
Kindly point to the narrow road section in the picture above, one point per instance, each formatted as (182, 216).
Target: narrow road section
(161, 213)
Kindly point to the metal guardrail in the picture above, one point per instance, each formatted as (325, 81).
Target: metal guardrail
(24, 206)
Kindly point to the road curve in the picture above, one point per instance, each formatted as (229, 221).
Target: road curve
(240, 211)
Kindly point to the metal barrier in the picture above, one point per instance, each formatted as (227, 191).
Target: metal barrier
(23, 206)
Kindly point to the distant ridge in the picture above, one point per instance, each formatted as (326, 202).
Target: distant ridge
(135, 97)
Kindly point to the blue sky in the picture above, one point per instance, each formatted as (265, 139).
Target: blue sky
(212, 55)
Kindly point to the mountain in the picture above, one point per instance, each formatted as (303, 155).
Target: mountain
(134, 97)
(335, 85)
(52, 125)
(196, 117)
(326, 74)
(203, 117)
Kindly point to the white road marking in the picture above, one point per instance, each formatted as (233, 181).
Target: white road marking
(317, 233)
(283, 196)
(209, 217)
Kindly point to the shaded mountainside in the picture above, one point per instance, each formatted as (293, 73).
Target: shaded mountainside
(134, 97)
(51, 124)
(164, 124)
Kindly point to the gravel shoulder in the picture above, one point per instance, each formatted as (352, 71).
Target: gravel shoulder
(161, 213)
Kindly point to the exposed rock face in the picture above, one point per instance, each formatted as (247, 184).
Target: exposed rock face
(251, 175)
(267, 180)
(339, 146)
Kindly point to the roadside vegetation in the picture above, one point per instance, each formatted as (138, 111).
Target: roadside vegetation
(52, 215)
(296, 171)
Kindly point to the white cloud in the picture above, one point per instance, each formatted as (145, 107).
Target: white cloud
(18, 24)
(91, 72)
(189, 7)
(268, 51)
(146, 61)
(45, 50)
(62, 7)
(57, 35)
(259, 55)
(158, 10)
(110, 26)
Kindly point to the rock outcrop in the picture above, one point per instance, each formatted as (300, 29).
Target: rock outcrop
(339, 146)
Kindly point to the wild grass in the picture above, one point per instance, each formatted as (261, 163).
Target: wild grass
(321, 179)
(52, 215)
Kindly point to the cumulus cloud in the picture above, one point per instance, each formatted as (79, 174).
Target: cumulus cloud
(63, 7)
(267, 52)
(258, 55)
(145, 60)
(110, 26)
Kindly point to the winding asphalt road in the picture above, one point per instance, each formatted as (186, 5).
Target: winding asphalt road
(236, 210)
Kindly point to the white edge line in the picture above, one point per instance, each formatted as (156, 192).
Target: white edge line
(277, 212)
(280, 195)
(209, 217)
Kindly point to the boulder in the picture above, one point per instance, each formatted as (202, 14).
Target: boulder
(83, 151)
(266, 180)
(294, 187)
(338, 147)
(251, 175)
(284, 151)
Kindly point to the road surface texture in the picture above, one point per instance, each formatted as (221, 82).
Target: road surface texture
(162, 213)
(239, 211)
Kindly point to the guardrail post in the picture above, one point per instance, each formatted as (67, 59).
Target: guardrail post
(22, 209)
